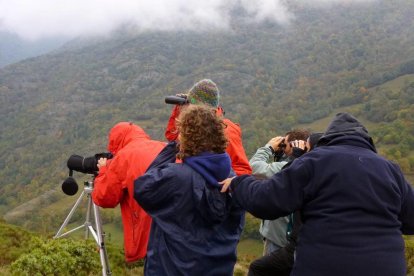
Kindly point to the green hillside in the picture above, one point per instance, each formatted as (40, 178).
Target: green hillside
(26, 253)
(272, 78)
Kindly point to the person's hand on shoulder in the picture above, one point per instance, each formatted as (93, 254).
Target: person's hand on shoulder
(226, 184)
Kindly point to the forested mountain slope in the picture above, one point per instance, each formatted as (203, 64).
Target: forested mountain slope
(272, 78)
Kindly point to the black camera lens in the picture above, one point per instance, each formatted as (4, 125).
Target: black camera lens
(86, 164)
(180, 100)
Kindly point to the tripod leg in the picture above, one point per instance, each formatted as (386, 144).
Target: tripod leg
(64, 224)
(88, 223)
(98, 235)
(101, 243)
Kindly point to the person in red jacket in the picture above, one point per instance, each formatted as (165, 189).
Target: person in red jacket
(133, 152)
(206, 92)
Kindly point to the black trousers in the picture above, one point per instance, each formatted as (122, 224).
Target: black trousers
(278, 263)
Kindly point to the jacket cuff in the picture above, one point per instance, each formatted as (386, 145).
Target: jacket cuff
(269, 149)
(102, 170)
(297, 152)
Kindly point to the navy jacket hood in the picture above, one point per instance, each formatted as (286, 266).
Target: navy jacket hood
(344, 124)
(213, 167)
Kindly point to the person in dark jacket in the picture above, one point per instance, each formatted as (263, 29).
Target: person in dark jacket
(195, 228)
(355, 204)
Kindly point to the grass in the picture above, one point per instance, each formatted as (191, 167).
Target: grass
(247, 251)
(250, 248)
(397, 84)
(393, 85)
(114, 234)
(321, 124)
(4, 270)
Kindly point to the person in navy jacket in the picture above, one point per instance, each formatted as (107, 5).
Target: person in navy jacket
(355, 204)
(195, 228)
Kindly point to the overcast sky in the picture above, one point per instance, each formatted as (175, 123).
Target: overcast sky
(34, 19)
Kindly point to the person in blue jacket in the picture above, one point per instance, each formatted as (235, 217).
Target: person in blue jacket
(195, 228)
(355, 204)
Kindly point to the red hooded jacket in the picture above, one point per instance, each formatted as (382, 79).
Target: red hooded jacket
(133, 153)
(239, 161)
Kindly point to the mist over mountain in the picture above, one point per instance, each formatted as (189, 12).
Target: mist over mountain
(13, 48)
(272, 77)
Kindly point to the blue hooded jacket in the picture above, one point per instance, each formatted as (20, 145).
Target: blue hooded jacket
(195, 228)
(355, 205)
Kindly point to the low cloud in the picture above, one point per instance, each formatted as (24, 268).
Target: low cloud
(48, 18)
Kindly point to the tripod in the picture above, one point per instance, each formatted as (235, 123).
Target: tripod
(97, 234)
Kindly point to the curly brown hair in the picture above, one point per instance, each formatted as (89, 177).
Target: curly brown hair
(201, 130)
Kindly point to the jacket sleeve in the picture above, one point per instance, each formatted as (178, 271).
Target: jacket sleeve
(239, 161)
(171, 133)
(155, 190)
(108, 185)
(407, 209)
(152, 190)
(260, 166)
(275, 197)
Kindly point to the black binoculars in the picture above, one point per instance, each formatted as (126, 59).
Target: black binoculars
(180, 100)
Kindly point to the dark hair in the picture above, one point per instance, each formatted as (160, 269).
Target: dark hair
(201, 130)
(297, 134)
